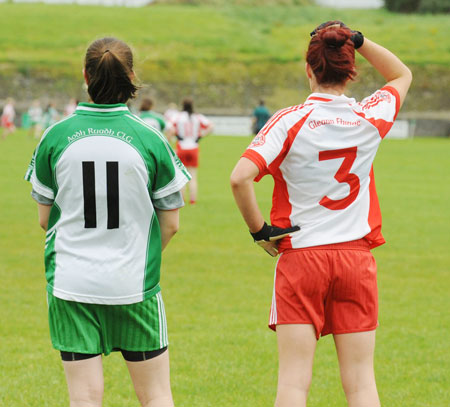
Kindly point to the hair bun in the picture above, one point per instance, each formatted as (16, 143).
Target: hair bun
(335, 38)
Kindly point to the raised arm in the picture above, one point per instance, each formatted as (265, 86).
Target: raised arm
(394, 71)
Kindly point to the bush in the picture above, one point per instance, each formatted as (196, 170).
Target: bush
(421, 6)
(402, 6)
(434, 6)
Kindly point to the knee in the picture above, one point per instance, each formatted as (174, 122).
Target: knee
(92, 397)
(355, 381)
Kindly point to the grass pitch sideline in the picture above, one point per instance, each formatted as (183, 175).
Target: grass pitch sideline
(217, 287)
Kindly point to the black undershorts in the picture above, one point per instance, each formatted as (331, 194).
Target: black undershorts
(127, 355)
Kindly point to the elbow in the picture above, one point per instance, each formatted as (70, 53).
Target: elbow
(43, 224)
(235, 180)
(239, 180)
(410, 75)
(173, 228)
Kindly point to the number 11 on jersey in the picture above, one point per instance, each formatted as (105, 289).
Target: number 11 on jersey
(112, 194)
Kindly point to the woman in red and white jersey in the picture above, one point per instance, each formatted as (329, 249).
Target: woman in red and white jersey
(325, 215)
(189, 128)
(7, 118)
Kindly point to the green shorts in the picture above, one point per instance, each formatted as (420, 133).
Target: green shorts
(94, 328)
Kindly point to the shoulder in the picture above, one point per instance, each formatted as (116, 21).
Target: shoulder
(284, 118)
(59, 128)
(140, 127)
(385, 95)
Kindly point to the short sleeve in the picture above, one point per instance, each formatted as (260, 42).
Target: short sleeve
(170, 174)
(204, 122)
(381, 109)
(271, 145)
(169, 202)
(266, 147)
(39, 171)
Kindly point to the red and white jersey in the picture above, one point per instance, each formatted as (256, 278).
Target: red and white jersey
(188, 129)
(9, 112)
(320, 155)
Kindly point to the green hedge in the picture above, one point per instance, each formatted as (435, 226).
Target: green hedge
(421, 6)
(434, 6)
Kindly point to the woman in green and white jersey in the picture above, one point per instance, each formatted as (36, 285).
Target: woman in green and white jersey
(108, 191)
(150, 117)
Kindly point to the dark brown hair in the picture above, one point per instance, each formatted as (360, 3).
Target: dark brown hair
(188, 105)
(109, 67)
(331, 55)
(146, 104)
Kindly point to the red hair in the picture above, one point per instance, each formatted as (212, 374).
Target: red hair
(331, 55)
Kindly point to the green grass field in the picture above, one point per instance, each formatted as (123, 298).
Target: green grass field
(217, 287)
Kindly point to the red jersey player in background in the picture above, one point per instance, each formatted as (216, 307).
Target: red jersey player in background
(189, 127)
(7, 118)
(320, 155)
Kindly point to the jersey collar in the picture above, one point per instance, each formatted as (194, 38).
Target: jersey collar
(101, 110)
(328, 98)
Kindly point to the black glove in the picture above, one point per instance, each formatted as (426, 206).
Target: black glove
(269, 234)
(357, 37)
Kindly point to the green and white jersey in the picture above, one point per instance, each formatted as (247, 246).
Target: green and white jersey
(153, 119)
(103, 166)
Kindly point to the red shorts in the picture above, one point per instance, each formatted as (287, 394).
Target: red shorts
(333, 287)
(188, 157)
(6, 123)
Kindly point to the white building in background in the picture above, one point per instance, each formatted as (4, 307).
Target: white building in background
(351, 3)
(125, 3)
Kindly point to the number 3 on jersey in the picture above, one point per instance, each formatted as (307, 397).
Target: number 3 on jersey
(342, 175)
(112, 194)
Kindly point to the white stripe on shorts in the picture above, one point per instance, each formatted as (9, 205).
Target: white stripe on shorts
(159, 319)
(273, 308)
(163, 340)
(165, 336)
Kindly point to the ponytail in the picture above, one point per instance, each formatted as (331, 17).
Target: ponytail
(109, 71)
(188, 105)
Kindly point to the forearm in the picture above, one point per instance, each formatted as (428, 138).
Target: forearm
(384, 61)
(244, 195)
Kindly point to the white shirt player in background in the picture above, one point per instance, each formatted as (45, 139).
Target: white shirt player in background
(320, 154)
(189, 128)
(7, 118)
(35, 115)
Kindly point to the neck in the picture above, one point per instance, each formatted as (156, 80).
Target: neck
(331, 89)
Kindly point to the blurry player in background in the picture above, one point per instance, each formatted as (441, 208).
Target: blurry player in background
(171, 111)
(7, 118)
(70, 107)
(50, 116)
(320, 154)
(189, 127)
(150, 117)
(260, 116)
(35, 115)
(108, 192)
